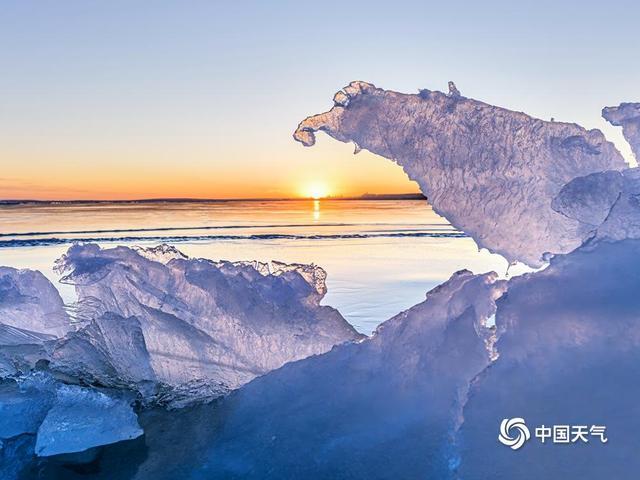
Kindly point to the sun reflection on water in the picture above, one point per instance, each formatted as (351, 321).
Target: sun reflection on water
(316, 210)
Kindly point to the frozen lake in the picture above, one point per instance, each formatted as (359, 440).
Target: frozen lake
(381, 256)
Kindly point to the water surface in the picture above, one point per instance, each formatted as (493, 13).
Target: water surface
(381, 256)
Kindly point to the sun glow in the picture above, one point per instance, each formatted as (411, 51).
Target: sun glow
(316, 190)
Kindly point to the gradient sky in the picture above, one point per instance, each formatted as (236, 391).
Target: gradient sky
(139, 99)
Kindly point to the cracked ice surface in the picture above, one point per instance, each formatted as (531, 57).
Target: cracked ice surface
(606, 201)
(491, 172)
(200, 327)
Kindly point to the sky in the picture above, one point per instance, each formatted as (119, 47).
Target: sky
(120, 100)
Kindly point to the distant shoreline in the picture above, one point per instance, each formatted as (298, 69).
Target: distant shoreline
(371, 197)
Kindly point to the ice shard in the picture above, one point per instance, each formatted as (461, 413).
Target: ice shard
(30, 302)
(492, 172)
(198, 327)
(82, 418)
(62, 418)
(21, 349)
(110, 351)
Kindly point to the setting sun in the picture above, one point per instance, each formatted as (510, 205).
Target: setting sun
(316, 190)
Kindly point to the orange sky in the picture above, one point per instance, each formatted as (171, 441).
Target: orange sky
(133, 171)
(142, 100)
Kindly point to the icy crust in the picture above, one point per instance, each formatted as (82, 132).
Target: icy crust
(491, 172)
(28, 301)
(386, 407)
(569, 354)
(167, 325)
(627, 116)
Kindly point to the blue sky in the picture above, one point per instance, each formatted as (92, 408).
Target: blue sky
(129, 99)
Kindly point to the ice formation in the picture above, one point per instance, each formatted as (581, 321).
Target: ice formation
(28, 301)
(377, 409)
(627, 116)
(606, 201)
(81, 418)
(385, 407)
(199, 327)
(491, 172)
(150, 325)
(425, 395)
(569, 355)
(63, 418)
(171, 328)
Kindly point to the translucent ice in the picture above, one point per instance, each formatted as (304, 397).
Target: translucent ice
(491, 172)
(24, 405)
(65, 418)
(82, 418)
(28, 301)
(199, 327)
(110, 351)
(425, 396)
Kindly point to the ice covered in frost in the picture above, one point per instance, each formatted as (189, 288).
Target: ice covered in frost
(627, 116)
(82, 418)
(382, 408)
(28, 301)
(491, 172)
(569, 355)
(200, 327)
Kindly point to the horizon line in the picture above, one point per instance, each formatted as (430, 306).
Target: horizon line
(366, 196)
